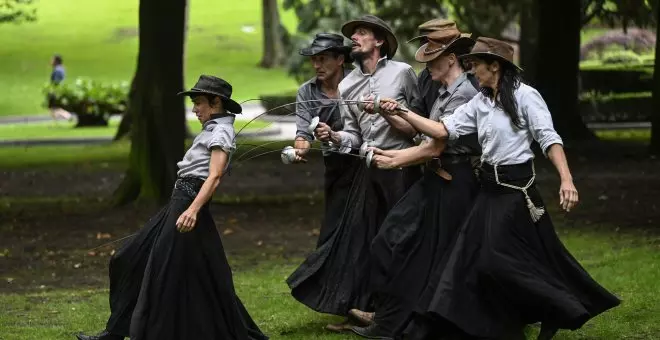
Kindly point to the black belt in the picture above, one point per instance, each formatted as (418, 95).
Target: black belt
(448, 159)
(189, 185)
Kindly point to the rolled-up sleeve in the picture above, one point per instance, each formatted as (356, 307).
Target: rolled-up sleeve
(303, 113)
(463, 121)
(222, 137)
(539, 120)
(350, 134)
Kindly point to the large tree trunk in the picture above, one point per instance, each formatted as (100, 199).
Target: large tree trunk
(273, 54)
(157, 114)
(558, 67)
(655, 127)
(529, 33)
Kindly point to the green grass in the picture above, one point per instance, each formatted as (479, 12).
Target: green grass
(625, 264)
(98, 39)
(50, 130)
(93, 156)
(636, 135)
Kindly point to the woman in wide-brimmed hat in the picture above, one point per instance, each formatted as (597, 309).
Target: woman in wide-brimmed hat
(420, 227)
(507, 267)
(172, 280)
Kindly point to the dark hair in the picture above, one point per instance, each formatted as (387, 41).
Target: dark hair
(57, 59)
(458, 50)
(379, 34)
(507, 85)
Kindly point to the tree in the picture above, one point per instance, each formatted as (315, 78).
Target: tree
(558, 70)
(655, 123)
(273, 54)
(17, 11)
(157, 114)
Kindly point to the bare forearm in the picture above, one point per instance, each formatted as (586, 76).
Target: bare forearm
(426, 126)
(205, 192)
(401, 125)
(558, 159)
(418, 154)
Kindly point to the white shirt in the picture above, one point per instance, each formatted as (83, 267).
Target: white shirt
(216, 133)
(501, 142)
(391, 79)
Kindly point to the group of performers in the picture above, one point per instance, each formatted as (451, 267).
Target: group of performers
(441, 234)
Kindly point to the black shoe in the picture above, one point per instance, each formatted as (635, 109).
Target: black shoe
(371, 332)
(105, 335)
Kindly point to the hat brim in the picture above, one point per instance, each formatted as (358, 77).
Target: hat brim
(463, 40)
(348, 28)
(312, 51)
(490, 54)
(227, 103)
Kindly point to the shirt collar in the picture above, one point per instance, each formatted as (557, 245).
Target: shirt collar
(452, 88)
(219, 118)
(382, 62)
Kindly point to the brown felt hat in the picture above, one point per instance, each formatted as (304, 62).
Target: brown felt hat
(430, 27)
(494, 48)
(441, 39)
(374, 22)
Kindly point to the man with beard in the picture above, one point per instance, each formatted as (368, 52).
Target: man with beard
(336, 277)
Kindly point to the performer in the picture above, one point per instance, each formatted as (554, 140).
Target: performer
(327, 55)
(335, 277)
(172, 280)
(419, 229)
(507, 267)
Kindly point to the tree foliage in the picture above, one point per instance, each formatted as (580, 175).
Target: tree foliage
(17, 11)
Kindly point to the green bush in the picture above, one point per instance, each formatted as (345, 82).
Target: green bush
(621, 57)
(272, 101)
(92, 101)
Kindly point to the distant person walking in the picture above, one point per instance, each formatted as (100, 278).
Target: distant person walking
(56, 77)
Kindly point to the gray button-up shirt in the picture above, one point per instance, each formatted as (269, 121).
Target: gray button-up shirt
(450, 98)
(501, 142)
(216, 133)
(391, 79)
(327, 109)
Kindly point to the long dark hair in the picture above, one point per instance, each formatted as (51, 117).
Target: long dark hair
(509, 82)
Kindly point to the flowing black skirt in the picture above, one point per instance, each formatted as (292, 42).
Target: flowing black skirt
(338, 178)
(335, 277)
(170, 285)
(505, 271)
(413, 239)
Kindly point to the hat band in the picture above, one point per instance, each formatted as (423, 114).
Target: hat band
(441, 48)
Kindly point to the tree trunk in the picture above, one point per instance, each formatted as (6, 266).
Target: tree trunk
(273, 54)
(558, 69)
(156, 113)
(529, 33)
(655, 123)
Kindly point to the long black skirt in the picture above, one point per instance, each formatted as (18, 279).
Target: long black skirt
(338, 178)
(170, 285)
(505, 271)
(413, 239)
(336, 276)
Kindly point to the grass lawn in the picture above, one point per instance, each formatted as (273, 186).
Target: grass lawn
(51, 156)
(50, 130)
(98, 39)
(623, 263)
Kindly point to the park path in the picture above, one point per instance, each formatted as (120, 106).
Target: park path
(280, 128)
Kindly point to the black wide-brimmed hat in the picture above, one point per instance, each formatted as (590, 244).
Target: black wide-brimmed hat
(327, 42)
(217, 87)
(375, 22)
